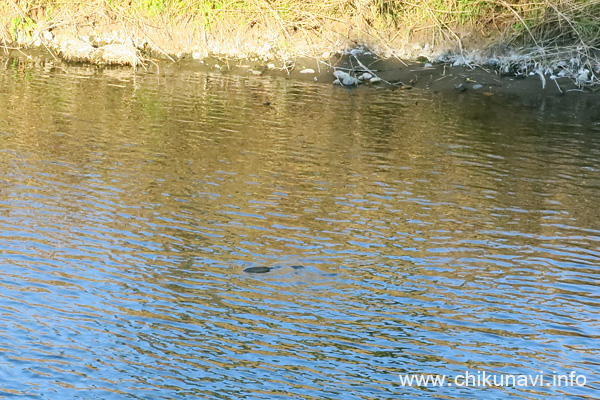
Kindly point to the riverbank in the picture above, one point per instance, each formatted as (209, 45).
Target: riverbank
(457, 83)
(440, 46)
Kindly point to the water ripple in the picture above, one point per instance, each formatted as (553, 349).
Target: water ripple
(399, 238)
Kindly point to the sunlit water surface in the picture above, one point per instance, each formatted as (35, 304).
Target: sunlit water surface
(438, 234)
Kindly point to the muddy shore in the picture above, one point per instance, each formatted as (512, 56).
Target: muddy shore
(390, 74)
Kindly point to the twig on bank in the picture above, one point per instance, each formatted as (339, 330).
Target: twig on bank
(542, 78)
(6, 48)
(557, 85)
(363, 66)
(155, 64)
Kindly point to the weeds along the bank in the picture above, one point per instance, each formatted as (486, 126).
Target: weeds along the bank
(542, 20)
(305, 26)
(433, 21)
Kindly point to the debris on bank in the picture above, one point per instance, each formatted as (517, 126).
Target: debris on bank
(357, 74)
(576, 65)
(566, 69)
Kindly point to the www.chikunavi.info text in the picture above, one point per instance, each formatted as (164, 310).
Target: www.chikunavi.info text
(483, 379)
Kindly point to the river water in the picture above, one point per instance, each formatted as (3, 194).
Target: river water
(437, 234)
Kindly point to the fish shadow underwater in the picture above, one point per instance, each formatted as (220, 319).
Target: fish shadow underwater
(264, 270)
(294, 275)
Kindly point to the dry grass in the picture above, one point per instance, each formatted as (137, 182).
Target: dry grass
(308, 27)
(386, 21)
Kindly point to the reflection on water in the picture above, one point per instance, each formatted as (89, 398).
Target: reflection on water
(438, 235)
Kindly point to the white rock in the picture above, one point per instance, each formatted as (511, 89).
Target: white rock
(307, 71)
(582, 76)
(459, 62)
(339, 74)
(326, 55)
(119, 54)
(375, 79)
(271, 66)
(428, 65)
(345, 78)
(76, 50)
(477, 86)
(365, 77)
(349, 81)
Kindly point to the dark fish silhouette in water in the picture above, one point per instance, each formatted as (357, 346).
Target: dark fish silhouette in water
(258, 270)
(264, 270)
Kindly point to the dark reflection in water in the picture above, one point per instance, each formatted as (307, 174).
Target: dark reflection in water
(437, 235)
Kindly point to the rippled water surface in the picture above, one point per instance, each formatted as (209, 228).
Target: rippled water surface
(436, 235)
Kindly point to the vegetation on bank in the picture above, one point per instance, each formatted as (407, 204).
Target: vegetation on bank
(307, 27)
(542, 22)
